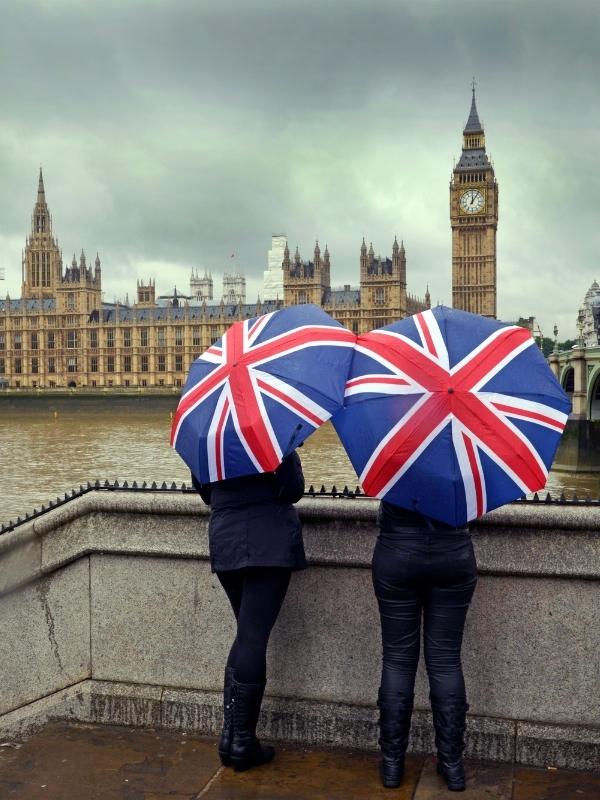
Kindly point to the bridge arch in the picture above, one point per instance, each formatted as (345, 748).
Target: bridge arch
(567, 379)
(594, 395)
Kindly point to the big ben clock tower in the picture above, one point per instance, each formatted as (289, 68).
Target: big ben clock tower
(474, 219)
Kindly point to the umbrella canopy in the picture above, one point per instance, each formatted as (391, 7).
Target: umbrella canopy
(451, 414)
(259, 391)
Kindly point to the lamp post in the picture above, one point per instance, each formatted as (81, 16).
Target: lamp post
(580, 318)
(555, 349)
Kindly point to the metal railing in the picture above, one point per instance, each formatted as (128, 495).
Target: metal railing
(154, 486)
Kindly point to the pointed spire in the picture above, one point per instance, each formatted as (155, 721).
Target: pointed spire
(74, 262)
(326, 253)
(41, 191)
(473, 124)
(317, 249)
(97, 261)
(371, 251)
(82, 259)
(395, 246)
(363, 247)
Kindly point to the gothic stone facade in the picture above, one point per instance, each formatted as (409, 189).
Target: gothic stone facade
(61, 334)
(474, 220)
(380, 299)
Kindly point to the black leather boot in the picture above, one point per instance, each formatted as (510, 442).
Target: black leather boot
(246, 751)
(227, 732)
(395, 711)
(449, 721)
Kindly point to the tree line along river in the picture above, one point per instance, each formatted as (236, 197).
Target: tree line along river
(49, 445)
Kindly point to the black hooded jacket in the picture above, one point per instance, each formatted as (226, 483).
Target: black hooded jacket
(253, 522)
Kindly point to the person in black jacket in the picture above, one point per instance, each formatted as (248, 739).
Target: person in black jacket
(255, 542)
(422, 568)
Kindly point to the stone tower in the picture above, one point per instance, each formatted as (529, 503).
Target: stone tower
(474, 220)
(201, 288)
(234, 288)
(79, 288)
(383, 284)
(146, 293)
(42, 261)
(306, 281)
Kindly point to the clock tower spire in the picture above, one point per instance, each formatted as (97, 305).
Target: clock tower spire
(474, 220)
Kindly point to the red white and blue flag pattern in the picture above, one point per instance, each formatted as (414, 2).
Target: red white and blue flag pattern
(258, 392)
(451, 414)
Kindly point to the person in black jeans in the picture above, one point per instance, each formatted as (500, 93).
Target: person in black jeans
(255, 542)
(422, 569)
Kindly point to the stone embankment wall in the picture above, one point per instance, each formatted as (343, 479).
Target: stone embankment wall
(109, 613)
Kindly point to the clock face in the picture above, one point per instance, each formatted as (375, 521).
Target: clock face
(472, 201)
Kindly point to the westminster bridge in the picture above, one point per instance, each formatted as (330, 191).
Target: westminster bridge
(578, 371)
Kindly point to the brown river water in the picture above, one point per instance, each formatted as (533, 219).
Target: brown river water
(49, 446)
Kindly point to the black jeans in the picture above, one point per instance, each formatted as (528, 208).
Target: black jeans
(256, 595)
(430, 574)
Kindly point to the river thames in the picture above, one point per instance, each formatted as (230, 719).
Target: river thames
(48, 447)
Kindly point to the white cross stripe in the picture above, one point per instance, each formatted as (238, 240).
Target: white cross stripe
(294, 394)
(213, 433)
(464, 466)
(519, 407)
(436, 337)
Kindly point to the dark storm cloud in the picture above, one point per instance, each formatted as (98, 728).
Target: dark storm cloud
(175, 133)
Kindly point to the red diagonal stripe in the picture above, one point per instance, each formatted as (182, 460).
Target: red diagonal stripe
(534, 415)
(309, 335)
(500, 439)
(234, 341)
(475, 473)
(427, 334)
(251, 420)
(409, 360)
(401, 447)
(377, 379)
(202, 389)
(290, 402)
(486, 359)
(218, 442)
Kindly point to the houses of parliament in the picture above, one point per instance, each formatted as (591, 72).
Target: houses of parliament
(61, 334)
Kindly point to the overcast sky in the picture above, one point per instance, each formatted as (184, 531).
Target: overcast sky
(173, 133)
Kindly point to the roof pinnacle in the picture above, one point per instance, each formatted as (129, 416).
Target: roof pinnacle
(473, 124)
(41, 191)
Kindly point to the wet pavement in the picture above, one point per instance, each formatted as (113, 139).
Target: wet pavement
(86, 762)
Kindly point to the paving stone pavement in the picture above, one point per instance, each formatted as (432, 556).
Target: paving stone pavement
(91, 762)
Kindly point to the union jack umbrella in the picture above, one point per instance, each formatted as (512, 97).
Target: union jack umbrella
(260, 391)
(451, 414)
